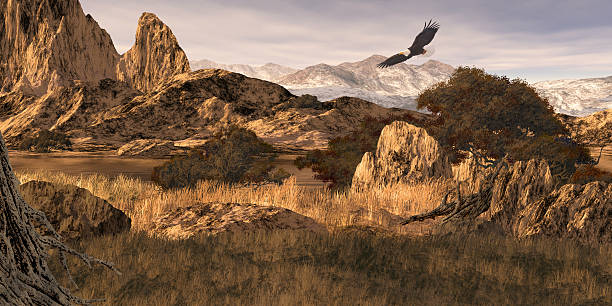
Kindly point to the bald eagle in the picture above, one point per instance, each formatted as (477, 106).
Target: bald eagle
(424, 38)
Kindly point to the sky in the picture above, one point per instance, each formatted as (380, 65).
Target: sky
(532, 40)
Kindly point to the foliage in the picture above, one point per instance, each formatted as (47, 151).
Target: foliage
(233, 155)
(337, 163)
(491, 115)
(45, 141)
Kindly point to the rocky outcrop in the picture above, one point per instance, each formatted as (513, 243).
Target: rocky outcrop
(47, 44)
(191, 104)
(583, 212)
(68, 109)
(518, 186)
(311, 128)
(404, 154)
(147, 148)
(155, 57)
(74, 212)
(595, 129)
(214, 218)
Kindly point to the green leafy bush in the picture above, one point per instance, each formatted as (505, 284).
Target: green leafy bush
(44, 141)
(233, 155)
(337, 163)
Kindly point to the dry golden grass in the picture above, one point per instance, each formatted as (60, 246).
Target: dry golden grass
(143, 201)
(337, 268)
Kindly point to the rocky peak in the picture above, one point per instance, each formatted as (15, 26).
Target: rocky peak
(155, 57)
(45, 44)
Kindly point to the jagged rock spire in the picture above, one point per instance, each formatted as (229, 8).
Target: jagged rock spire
(45, 44)
(155, 57)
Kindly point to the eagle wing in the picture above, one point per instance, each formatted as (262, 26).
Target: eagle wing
(426, 36)
(395, 59)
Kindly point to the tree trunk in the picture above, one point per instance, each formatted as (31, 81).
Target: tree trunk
(463, 211)
(25, 278)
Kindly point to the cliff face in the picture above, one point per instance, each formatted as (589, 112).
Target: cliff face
(45, 44)
(155, 57)
(405, 153)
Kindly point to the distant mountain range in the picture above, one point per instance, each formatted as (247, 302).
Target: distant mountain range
(269, 72)
(398, 86)
(578, 97)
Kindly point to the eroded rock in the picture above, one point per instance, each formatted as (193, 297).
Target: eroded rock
(574, 211)
(147, 148)
(155, 57)
(74, 212)
(213, 218)
(404, 154)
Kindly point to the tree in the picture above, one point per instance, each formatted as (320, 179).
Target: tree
(25, 278)
(498, 121)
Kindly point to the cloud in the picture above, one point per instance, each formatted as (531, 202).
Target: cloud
(528, 39)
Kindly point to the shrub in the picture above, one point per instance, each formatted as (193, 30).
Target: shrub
(233, 155)
(44, 141)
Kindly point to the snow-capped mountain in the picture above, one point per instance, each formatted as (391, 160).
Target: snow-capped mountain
(578, 97)
(396, 86)
(399, 85)
(269, 72)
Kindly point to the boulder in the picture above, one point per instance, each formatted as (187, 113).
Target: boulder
(404, 154)
(147, 148)
(213, 218)
(74, 212)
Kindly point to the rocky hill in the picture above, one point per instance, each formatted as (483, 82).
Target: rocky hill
(595, 129)
(64, 74)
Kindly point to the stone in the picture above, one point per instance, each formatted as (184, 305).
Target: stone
(74, 212)
(213, 218)
(404, 154)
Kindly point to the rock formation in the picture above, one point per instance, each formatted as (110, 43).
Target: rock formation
(147, 148)
(595, 129)
(311, 128)
(523, 183)
(213, 218)
(63, 74)
(68, 109)
(155, 57)
(46, 44)
(573, 211)
(405, 153)
(74, 212)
